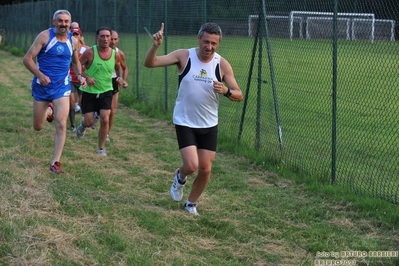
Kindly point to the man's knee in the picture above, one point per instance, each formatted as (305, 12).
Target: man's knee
(190, 167)
(205, 170)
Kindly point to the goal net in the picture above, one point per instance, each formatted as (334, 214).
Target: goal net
(319, 25)
(278, 26)
(384, 29)
(322, 28)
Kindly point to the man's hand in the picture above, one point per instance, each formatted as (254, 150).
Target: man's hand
(90, 81)
(158, 37)
(219, 87)
(120, 80)
(44, 80)
(82, 81)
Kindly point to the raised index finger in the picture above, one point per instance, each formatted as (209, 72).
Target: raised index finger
(162, 27)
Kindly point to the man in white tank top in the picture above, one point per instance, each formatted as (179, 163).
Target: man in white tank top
(203, 76)
(114, 45)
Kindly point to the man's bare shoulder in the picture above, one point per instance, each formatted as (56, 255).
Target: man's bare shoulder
(89, 49)
(119, 51)
(43, 36)
(87, 56)
(45, 32)
(181, 54)
(182, 51)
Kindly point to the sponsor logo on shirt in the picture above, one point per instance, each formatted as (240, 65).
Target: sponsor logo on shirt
(203, 76)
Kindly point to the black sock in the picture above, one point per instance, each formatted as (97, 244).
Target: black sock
(179, 179)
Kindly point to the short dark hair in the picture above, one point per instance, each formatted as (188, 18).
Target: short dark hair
(103, 28)
(211, 28)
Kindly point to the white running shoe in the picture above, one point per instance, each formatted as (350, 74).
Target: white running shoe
(191, 208)
(101, 151)
(77, 107)
(107, 138)
(80, 131)
(96, 117)
(176, 190)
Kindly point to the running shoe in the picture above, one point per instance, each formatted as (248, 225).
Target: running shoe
(80, 131)
(50, 118)
(77, 108)
(191, 208)
(101, 151)
(176, 190)
(56, 168)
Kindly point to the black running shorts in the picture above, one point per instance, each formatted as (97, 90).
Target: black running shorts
(96, 102)
(203, 138)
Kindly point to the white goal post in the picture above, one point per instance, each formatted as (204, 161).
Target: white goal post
(328, 16)
(320, 25)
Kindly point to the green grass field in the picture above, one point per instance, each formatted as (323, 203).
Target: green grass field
(117, 210)
(367, 81)
(367, 110)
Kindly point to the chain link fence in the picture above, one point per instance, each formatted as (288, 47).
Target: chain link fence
(320, 78)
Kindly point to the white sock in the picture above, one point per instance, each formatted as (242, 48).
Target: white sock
(188, 203)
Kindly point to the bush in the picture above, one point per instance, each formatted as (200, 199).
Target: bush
(14, 50)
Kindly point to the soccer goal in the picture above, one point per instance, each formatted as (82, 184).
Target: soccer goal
(322, 27)
(278, 26)
(384, 29)
(320, 24)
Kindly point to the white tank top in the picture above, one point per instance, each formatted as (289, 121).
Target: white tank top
(114, 72)
(196, 103)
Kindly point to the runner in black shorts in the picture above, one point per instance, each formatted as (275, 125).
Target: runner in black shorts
(204, 76)
(99, 61)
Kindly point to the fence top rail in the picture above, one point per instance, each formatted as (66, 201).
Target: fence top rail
(376, 20)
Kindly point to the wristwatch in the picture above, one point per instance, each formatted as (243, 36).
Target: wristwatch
(228, 93)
